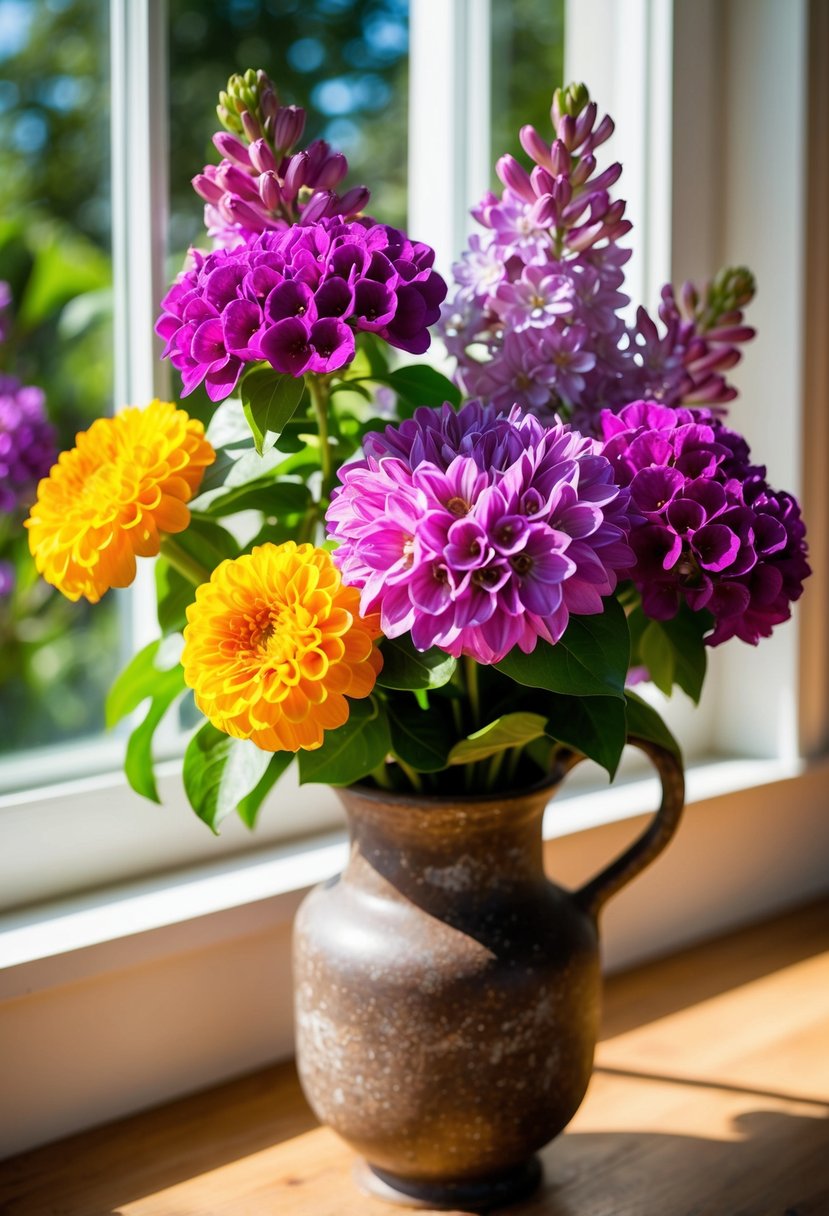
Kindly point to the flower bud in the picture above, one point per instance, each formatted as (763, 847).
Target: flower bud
(603, 132)
(354, 200)
(236, 181)
(536, 148)
(515, 177)
(318, 152)
(582, 170)
(231, 147)
(240, 212)
(289, 123)
(543, 212)
(321, 204)
(261, 156)
(296, 175)
(251, 126)
(560, 158)
(207, 189)
(542, 181)
(585, 121)
(567, 132)
(331, 172)
(269, 191)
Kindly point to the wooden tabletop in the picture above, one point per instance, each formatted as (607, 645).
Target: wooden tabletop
(710, 1098)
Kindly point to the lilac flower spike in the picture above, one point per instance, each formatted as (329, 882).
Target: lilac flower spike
(295, 298)
(479, 531)
(710, 530)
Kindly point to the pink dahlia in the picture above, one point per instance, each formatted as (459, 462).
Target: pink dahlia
(478, 531)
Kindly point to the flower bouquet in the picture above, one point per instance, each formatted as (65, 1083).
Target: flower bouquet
(436, 588)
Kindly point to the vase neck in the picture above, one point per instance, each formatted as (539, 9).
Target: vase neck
(439, 849)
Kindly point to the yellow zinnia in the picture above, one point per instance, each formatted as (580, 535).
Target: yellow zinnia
(274, 645)
(106, 501)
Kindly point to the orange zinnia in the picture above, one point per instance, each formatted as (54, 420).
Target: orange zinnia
(275, 644)
(106, 501)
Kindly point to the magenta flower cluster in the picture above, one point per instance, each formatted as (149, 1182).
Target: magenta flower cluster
(478, 531)
(535, 314)
(295, 298)
(27, 443)
(710, 532)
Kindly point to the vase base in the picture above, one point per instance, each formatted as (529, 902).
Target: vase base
(474, 1195)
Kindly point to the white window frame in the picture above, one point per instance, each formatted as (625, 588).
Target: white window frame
(205, 936)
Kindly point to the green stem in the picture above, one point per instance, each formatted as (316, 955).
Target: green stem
(512, 764)
(181, 561)
(318, 390)
(381, 776)
(413, 776)
(470, 669)
(494, 769)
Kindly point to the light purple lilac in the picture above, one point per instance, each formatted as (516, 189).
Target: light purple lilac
(479, 531)
(710, 531)
(295, 298)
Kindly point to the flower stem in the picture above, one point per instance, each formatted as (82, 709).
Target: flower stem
(181, 561)
(381, 776)
(414, 777)
(470, 670)
(318, 390)
(494, 769)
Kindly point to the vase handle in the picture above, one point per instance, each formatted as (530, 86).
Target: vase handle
(646, 848)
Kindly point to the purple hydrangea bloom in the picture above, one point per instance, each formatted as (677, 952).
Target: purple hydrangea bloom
(27, 443)
(295, 298)
(710, 530)
(479, 531)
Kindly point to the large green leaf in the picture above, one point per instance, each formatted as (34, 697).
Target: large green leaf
(674, 651)
(590, 660)
(138, 762)
(351, 751)
(593, 725)
(265, 494)
(511, 730)
(420, 737)
(269, 401)
(408, 668)
(221, 772)
(248, 808)
(645, 722)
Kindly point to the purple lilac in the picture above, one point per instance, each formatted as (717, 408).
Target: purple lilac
(478, 531)
(261, 183)
(295, 298)
(557, 226)
(27, 443)
(710, 531)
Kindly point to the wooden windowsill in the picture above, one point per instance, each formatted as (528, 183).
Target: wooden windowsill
(710, 1097)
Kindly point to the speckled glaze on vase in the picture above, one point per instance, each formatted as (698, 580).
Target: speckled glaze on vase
(447, 994)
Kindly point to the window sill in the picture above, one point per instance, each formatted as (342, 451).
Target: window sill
(140, 921)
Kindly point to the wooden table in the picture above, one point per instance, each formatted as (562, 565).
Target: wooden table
(710, 1098)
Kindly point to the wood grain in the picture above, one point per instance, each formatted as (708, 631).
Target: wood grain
(710, 1098)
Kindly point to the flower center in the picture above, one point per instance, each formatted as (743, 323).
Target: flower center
(458, 506)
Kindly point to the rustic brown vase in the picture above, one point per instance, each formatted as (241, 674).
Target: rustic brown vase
(447, 994)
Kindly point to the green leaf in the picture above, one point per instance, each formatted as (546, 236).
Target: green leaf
(511, 730)
(248, 808)
(352, 750)
(595, 726)
(138, 762)
(590, 660)
(140, 679)
(686, 633)
(372, 358)
(220, 772)
(420, 384)
(658, 655)
(265, 494)
(269, 401)
(645, 723)
(421, 738)
(408, 668)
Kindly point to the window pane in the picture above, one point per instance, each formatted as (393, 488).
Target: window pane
(344, 61)
(56, 658)
(527, 66)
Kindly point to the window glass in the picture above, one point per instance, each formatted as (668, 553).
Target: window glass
(527, 66)
(344, 61)
(56, 659)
